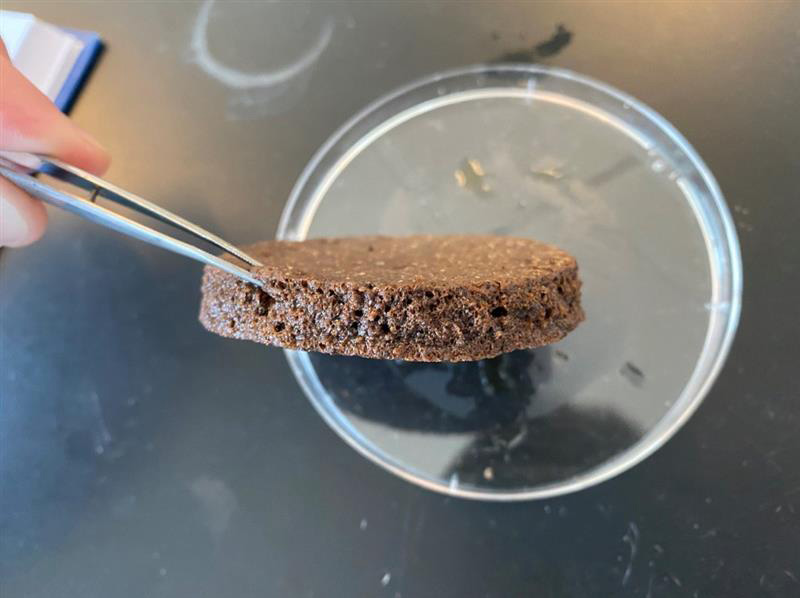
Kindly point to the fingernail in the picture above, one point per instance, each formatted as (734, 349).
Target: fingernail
(13, 227)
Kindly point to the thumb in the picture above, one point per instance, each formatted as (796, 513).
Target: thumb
(22, 218)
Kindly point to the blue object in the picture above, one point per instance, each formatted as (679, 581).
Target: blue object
(93, 46)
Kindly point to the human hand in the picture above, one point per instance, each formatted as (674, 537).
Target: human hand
(30, 122)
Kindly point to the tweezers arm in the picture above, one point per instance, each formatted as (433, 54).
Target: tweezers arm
(100, 215)
(141, 205)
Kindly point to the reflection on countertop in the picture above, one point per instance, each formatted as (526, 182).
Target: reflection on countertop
(509, 438)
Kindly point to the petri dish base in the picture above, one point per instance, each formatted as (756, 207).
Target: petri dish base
(543, 153)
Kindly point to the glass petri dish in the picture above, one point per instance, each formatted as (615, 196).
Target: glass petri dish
(549, 154)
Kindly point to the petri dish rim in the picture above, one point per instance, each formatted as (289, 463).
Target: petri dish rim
(585, 93)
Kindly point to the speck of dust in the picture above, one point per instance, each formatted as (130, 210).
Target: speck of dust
(162, 572)
(387, 577)
(488, 473)
(363, 525)
(472, 176)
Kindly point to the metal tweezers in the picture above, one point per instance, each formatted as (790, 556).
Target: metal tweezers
(98, 188)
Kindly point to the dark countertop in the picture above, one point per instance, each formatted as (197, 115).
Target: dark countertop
(142, 456)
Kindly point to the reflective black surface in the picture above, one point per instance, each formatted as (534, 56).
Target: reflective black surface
(143, 457)
(486, 395)
(511, 438)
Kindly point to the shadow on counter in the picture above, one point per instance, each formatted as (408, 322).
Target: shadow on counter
(517, 436)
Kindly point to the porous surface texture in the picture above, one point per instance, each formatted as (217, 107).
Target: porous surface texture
(418, 298)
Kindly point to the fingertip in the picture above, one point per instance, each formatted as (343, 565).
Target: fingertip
(98, 157)
(82, 150)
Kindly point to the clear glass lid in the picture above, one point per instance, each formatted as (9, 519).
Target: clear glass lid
(533, 152)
